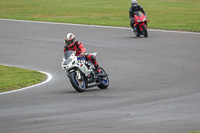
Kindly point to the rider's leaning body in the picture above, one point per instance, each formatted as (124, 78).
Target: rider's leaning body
(73, 45)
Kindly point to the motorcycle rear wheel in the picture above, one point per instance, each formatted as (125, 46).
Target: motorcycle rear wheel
(104, 80)
(79, 85)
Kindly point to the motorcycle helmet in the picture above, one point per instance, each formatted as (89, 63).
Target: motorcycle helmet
(134, 3)
(70, 39)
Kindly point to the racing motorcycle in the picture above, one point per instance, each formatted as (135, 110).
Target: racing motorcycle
(140, 26)
(82, 73)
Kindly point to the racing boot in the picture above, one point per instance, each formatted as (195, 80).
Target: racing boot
(132, 25)
(98, 70)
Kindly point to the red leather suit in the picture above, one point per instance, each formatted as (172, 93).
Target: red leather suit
(78, 47)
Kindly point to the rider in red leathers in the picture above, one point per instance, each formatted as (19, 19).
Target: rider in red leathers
(73, 45)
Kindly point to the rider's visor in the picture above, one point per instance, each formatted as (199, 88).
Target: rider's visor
(135, 4)
(68, 42)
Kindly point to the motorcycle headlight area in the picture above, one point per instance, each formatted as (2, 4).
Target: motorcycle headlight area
(139, 21)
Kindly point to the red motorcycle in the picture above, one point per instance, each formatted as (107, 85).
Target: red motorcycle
(140, 26)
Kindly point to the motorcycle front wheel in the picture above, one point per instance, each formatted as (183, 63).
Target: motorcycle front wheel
(144, 31)
(77, 81)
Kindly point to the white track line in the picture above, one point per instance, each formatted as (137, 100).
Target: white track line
(47, 80)
(98, 26)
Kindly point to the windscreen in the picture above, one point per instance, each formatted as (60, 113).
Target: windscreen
(67, 54)
(139, 14)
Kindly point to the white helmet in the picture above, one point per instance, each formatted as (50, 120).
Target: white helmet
(70, 39)
(134, 2)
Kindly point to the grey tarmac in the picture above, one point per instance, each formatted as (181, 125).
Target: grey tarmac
(154, 81)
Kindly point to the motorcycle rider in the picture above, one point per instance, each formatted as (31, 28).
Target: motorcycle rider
(135, 7)
(73, 45)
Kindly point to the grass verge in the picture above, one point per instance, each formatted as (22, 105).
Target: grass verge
(12, 78)
(164, 14)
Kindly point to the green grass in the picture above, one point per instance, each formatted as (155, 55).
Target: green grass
(164, 14)
(12, 78)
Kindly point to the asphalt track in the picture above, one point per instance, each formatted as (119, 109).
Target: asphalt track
(154, 81)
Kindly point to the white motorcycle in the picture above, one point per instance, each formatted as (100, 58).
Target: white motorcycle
(82, 73)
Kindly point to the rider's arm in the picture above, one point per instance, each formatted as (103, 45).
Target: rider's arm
(81, 49)
(65, 48)
(142, 10)
(130, 14)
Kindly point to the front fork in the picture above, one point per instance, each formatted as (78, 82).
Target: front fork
(140, 26)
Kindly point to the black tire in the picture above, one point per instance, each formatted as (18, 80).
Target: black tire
(137, 31)
(104, 81)
(144, 31)
(75, 82)
(138, 35)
